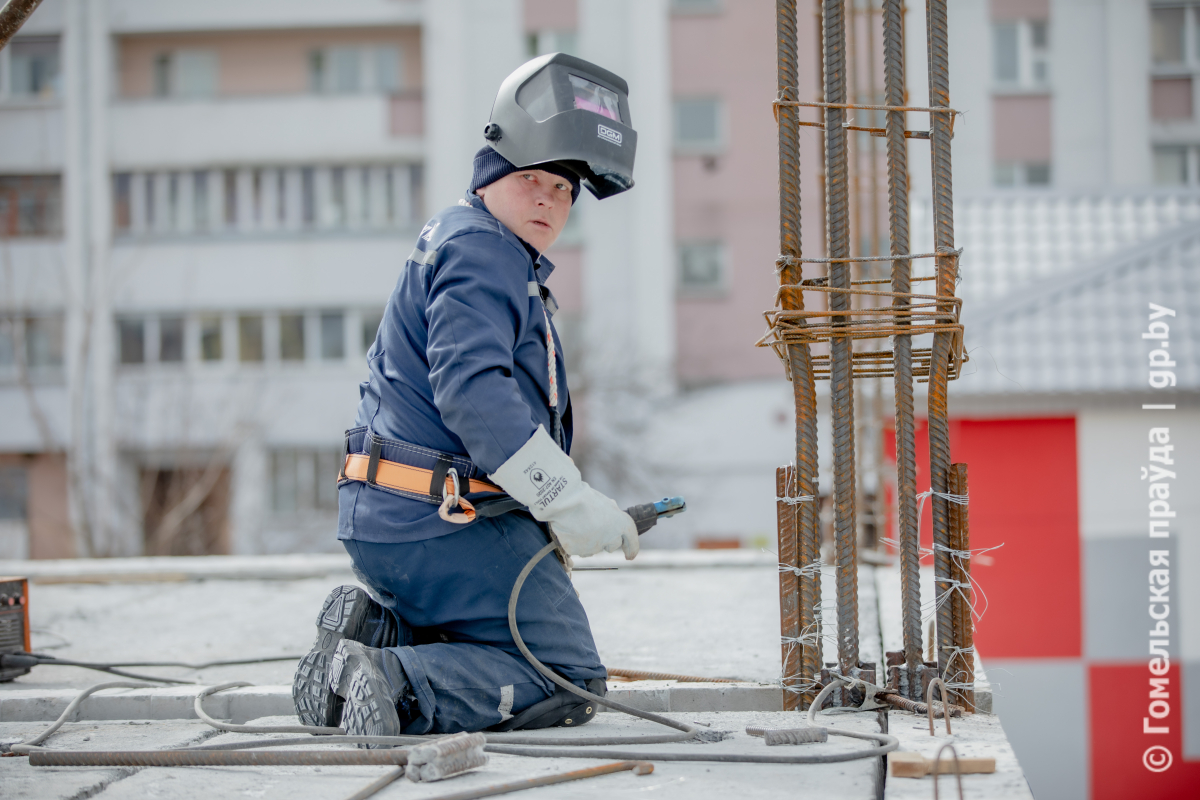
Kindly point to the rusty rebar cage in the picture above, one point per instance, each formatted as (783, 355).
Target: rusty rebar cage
(835, 313)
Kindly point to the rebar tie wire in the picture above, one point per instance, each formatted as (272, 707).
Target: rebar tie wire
(910, 314)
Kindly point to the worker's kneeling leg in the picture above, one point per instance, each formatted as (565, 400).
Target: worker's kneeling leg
(473, 677)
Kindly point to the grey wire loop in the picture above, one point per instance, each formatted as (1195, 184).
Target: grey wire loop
(24, 747)
(957, 770)
(226, 726)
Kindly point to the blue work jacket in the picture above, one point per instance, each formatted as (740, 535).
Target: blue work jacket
(459, 366)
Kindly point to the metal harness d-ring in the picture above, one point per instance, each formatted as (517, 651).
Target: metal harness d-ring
(452, 500)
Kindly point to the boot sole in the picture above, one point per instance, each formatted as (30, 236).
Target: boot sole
(368, 711)
(341, 617)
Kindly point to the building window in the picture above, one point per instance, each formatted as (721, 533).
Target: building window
(131, 341)
(1170, 99)
(696, 6)
(33, 68)
(540, 43)
(37, 341)
(1017, 174)
(371, 320)
(210, 339)
(291, 337)
(14, 492)
(1021, 54)
(1167, 29)
(304, 480)
(250, 338)
(1177, 165)
(170, 340)
(333, 336)
(30, 205)
(44, 341)
(698, 124)
(186, 74)
(354, 70)
(701, 267)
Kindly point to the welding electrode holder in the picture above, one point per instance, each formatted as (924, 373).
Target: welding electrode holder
(647, 514)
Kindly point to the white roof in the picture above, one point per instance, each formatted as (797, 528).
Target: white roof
(1056, 288)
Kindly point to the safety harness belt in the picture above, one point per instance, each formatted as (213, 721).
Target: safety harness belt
(440, 485)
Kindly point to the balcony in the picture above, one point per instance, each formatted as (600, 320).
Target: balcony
(279, 129)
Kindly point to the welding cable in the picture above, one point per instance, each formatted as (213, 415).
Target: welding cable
(24, 747)
(208, 664)
(537, 746)
(565, 747)
(232, 728)
(29, 660)
(887, 743)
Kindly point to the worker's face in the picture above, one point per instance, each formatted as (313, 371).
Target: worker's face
(532, 203)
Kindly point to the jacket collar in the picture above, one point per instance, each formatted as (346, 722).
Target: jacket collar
(542, 266)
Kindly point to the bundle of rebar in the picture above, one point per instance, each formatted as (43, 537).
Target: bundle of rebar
(842, 313)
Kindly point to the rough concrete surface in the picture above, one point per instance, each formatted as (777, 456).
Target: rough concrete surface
(695, 620)
(691, 616)
(973, 735)
(844, 781)
(19, 780)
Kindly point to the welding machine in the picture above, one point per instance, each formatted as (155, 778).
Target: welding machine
(14, 623)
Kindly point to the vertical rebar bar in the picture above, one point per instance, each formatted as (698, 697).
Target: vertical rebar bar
(906, 456)
(799, 359)
(841, 371)
(789, 585)
(947, 268)
(964, 638)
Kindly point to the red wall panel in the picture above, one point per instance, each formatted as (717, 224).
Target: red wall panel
(1119, 699)
(1024, 496)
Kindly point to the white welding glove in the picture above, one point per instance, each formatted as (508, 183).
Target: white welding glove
(545, 479)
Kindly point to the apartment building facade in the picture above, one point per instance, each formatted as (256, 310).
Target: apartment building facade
(203, 209)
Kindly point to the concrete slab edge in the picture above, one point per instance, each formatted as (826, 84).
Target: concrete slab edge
(301, 565)
(252, 702)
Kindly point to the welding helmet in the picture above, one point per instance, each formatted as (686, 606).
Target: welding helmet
(563, 109)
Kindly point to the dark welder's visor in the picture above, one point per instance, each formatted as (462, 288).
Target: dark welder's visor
(546, 97)
(563, 109)
(594, 97)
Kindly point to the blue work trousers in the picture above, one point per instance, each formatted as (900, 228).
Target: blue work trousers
(450, 594)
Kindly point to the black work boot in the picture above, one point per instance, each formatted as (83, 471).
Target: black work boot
(348, 613)
(372, 683)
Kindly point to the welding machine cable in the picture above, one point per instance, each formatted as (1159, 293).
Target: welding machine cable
(22, 748)
(531, 746)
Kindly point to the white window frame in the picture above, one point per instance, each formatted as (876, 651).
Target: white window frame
(1027, 57)
(1020, 176)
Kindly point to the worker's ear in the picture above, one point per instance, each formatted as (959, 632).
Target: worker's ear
(481, 191)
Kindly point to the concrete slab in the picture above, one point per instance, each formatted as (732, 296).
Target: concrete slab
(679, 620)
(974, 735)
(847, 781)
(19, 780)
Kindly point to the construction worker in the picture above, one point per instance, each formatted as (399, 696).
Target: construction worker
(457, 471)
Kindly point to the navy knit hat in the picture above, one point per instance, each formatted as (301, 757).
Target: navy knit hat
(490, 167)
